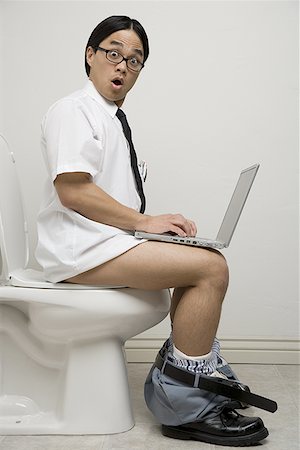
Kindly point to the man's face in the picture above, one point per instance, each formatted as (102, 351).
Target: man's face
(111, 80)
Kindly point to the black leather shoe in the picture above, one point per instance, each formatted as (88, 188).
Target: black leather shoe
(228, 428)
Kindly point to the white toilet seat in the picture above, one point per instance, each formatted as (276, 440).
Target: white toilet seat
(31, 278)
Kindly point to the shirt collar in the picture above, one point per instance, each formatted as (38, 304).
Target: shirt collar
(110, 107)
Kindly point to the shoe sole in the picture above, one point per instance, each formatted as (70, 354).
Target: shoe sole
(233, 441)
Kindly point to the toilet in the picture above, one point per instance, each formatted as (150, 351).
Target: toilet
(62, 360)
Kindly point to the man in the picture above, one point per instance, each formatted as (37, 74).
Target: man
(94, 201)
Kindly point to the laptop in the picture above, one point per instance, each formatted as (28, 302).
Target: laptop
(228, 224)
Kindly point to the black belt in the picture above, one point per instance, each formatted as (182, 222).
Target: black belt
(218, 386)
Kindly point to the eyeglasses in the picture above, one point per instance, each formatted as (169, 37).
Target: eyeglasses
(115, 57)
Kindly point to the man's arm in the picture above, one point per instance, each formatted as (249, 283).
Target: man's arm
(77, 191)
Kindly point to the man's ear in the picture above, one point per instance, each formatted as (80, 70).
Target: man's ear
(90, 54)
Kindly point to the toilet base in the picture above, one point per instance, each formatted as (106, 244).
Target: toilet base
(20, 416)
(94, 396)
(41, 424)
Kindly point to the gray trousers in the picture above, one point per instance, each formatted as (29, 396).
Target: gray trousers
(174, 403)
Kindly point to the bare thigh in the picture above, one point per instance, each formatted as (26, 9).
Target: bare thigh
(152, 266)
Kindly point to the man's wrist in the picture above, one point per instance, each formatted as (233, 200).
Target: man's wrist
(141, 221)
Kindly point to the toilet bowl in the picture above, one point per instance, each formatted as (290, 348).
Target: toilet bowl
(62, 360)
(62, 357)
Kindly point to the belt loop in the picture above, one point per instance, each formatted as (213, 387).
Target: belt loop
(162, 370)
(196, 381)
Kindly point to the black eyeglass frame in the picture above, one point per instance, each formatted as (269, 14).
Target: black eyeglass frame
(123, 59)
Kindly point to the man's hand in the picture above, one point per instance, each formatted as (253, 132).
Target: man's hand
(167, 223)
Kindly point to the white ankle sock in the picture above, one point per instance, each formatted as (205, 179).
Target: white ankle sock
(180, 355)
(198, 364)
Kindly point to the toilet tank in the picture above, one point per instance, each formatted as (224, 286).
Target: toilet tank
(13, 229)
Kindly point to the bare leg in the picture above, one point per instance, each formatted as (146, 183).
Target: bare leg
(200, 276)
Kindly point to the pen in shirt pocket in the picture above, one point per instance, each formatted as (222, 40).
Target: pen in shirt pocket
(143, 169)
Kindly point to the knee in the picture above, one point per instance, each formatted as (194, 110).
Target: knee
(217, 270)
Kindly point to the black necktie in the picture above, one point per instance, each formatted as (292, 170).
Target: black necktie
(127, 132)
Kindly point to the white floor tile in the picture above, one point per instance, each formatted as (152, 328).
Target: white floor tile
(148, 436)
(52, 443)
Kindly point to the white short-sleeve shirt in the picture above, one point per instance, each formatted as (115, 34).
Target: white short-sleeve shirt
(81, 133)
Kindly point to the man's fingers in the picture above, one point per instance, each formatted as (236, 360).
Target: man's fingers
(173, 223)
(193, 228)
(188, 226)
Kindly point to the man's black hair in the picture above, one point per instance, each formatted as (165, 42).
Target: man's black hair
(111, 25)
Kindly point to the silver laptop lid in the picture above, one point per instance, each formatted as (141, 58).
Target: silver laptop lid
(236, 204)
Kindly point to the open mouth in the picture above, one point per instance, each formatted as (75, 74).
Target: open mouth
(117, 82)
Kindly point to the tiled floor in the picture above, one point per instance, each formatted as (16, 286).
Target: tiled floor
(281, 383)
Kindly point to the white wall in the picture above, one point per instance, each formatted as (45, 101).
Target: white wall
(218, 93)
(1, 71)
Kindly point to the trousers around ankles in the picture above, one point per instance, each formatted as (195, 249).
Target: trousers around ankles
(174, 403)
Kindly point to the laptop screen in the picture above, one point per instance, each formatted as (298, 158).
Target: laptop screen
(236, 204)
